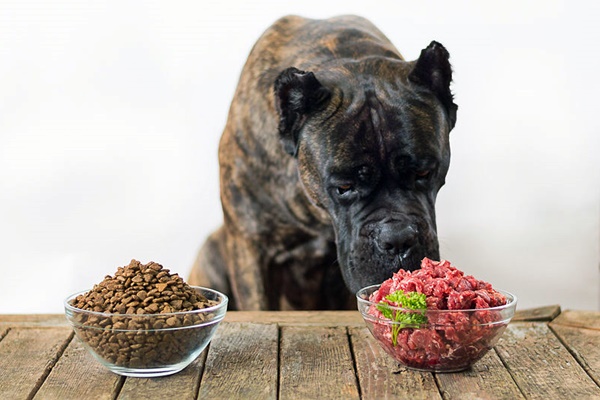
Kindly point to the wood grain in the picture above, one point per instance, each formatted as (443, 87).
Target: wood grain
(33, 320)
(241, 363)
(26, 358)
(381, 377)
(77, 375)
(541, 366)
(181, 386)
(547, 313)
(298, 318)
(584, 344)
(316, 363)
(486, 379)
(579, 319)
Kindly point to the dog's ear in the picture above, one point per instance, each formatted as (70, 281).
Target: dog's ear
(433, 71)
(297, 94)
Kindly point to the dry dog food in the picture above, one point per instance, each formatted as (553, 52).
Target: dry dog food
(134, 335)
(443, 340)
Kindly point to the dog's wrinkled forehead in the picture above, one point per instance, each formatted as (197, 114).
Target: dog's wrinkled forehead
(386, 121)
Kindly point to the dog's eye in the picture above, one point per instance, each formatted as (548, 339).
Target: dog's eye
(422, 174)
(344, 189)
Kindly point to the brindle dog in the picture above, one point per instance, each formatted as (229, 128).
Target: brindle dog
(331, 159)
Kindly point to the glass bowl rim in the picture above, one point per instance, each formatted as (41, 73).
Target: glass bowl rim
(509, 304)
(222, 304)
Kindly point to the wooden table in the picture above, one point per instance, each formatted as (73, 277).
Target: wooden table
(543, 354)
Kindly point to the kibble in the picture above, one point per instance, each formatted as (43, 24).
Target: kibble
(139, 299)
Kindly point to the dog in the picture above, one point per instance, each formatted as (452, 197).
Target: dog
(332, 156)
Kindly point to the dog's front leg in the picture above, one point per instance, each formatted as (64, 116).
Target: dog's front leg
(245, 276)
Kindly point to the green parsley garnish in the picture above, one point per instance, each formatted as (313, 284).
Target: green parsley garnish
(412, 301)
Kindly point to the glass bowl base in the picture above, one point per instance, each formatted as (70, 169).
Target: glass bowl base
(146, 372)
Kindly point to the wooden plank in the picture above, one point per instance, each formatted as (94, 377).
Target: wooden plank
(486, 379)
(381, 377)
(541, 366)
(584, 344)
(316, 363)
(32, 320)
(283, 318)
(298, 318)
(241, 363)
(181, 386)
(26, 358)
(77, 375)
(547, 313)
(579, 319)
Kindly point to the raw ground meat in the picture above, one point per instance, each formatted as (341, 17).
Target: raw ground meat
(451, 340)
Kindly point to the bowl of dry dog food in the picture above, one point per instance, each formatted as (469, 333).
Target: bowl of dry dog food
(436, 319)
(144, 321)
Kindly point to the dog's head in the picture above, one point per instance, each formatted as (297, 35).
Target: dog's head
(371, 139)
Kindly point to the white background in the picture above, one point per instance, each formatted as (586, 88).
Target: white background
(111, 112)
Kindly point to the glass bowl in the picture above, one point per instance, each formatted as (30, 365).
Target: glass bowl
(443, 341)
(147, 345)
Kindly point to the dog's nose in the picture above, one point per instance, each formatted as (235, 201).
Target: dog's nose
(397, 238)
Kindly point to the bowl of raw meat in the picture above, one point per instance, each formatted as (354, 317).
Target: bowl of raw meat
(436, 318)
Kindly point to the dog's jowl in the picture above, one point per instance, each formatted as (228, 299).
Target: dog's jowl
(332, 156)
